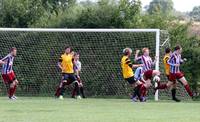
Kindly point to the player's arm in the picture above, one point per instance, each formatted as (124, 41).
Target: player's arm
(59, 62)
(2, 62)
(130, 64)
(155, 60)
(136, 55)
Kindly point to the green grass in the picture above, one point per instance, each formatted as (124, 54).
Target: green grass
(96, 110)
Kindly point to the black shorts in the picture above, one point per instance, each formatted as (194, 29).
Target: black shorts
(131, 80)
(69, 77)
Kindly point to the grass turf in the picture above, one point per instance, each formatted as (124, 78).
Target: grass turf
(96, 110)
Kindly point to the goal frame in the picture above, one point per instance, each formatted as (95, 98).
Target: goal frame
(157, 31)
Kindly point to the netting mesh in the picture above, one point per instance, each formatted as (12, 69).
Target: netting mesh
(100, 55)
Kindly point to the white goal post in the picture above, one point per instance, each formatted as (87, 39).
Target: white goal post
(156, 31)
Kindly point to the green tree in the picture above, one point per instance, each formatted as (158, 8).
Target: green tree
(163, 6)
(195, 13)
(20, 13)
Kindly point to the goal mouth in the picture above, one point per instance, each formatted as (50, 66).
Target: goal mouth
(100, 51)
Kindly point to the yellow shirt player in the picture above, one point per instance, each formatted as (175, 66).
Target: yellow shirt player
(127, 66)
(66, 65)
(165, 61)
(66, 62)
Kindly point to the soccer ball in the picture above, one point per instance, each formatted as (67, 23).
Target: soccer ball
(156, 79)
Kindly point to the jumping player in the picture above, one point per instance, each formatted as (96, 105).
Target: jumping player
(147, 69)
(66, 65)
(167, 73)
(127, 68)
(175, 74)
(77, 69)
(8, 74)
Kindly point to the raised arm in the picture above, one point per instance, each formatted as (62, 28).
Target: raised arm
(136, 55)
(155, 60)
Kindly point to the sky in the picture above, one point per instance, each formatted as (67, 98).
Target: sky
(180, 5)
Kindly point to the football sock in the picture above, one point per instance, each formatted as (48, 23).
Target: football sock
(187, 88)
(82, 92)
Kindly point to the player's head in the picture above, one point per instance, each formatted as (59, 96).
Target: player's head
(68, 50)
(127, 51)
(76, 56)
(145, 51)
(13, 51)
(167, 50)
(178, 49)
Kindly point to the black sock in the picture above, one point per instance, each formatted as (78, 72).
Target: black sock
(82, 92)
(173, 93)
(62, 90)
(77, 89)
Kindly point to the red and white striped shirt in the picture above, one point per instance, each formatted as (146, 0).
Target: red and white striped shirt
(147, 61)
(175, 59)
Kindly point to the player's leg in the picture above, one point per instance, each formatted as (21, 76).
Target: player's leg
(61, 88)
(185, 83)
(173, 91)
(82, 89)
(136, 87)
(73, 79)
(144, 90)
(147, 76)
(12, 82)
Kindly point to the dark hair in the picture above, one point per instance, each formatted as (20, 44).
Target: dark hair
(12, 49)
(167, 50)
(68, 47)
(178, 47)
(76, 53)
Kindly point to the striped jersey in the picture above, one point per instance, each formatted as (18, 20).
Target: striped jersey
(147, 61)
(7, 67)
(175, 59)
(77, 66)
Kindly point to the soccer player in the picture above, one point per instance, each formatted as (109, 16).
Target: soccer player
(77, 69)
(175, 74)
(138, 77)
(8, 74)
(127, 68)
(147, 69)
(66, 65)
(167, 73)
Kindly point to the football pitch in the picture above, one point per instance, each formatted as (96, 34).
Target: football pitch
(44, 109)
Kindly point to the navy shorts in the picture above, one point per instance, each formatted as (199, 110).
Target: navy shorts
(69, 77)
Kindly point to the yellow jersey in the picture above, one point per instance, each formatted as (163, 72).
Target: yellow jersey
(127, 71)
(166, 65)
(67, 63)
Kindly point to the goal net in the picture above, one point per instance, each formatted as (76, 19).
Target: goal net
(100, 53)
